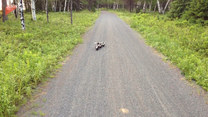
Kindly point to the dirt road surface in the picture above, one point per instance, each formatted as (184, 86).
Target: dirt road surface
(126, 78)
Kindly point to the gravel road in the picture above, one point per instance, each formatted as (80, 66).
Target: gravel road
(126, 78)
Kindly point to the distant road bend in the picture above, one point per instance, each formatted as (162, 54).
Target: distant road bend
(123, 79)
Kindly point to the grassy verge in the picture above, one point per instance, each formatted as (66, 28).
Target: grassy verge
(184, 44)
(27, 57)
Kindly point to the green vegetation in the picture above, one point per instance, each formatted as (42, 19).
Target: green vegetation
(195, 11)
(27, 57)
(183, 43)
(178, 7)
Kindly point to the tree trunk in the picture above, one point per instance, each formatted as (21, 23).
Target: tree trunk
(43, 5)
(123, 5)
(90, 5)
(71, 12)
(60, 6)
(166, 6)
(155, 7)
(159, 8)
(114, 5)
(22, 15)
(78, 5)
(150, 6)
(33, 9)
(55, 5)
(47, 10)
(144, 7)
(4, 4)
(15, 11)
(68, 6)
(129, 5)
(65, 6)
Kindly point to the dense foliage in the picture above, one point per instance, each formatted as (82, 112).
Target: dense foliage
(178, 7)
(27, 57)
(184, 44)
(195, 11)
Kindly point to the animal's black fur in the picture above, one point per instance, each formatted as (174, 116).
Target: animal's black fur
(99, 45)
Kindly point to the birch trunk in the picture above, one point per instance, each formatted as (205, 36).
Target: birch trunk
(22, 15)
(159, 8)
(144, 7)
(166, 6)
(33, 9)
(71, 11)
(65, 6)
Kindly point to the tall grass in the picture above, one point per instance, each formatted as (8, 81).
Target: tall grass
(27, 57)
(183, 43)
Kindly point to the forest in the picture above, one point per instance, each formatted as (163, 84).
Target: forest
(38, 34)
(192, 10)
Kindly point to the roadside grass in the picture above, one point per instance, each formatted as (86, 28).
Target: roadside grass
(183, 43)
(27, 57)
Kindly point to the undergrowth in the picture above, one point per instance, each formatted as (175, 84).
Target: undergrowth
(183, 43)
(27, 57)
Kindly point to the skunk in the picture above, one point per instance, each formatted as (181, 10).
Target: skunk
(99, 45)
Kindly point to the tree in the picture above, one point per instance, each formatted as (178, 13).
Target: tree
(71, 12)
(158, 6)
(16, 10)
(144, 7)
(68, 6)
(166, 6)
(4, 4)
(33, 9)
(47, 10)
(27, 4)
(130, 4)
(22, 15)
(65, 6)
(60, 5)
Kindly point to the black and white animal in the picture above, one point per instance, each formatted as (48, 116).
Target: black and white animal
(99, 45)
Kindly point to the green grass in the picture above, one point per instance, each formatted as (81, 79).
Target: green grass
(27, 57)
(183, 43)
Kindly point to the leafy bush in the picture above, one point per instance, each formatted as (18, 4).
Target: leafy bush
(184, 44)
(27, 57)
